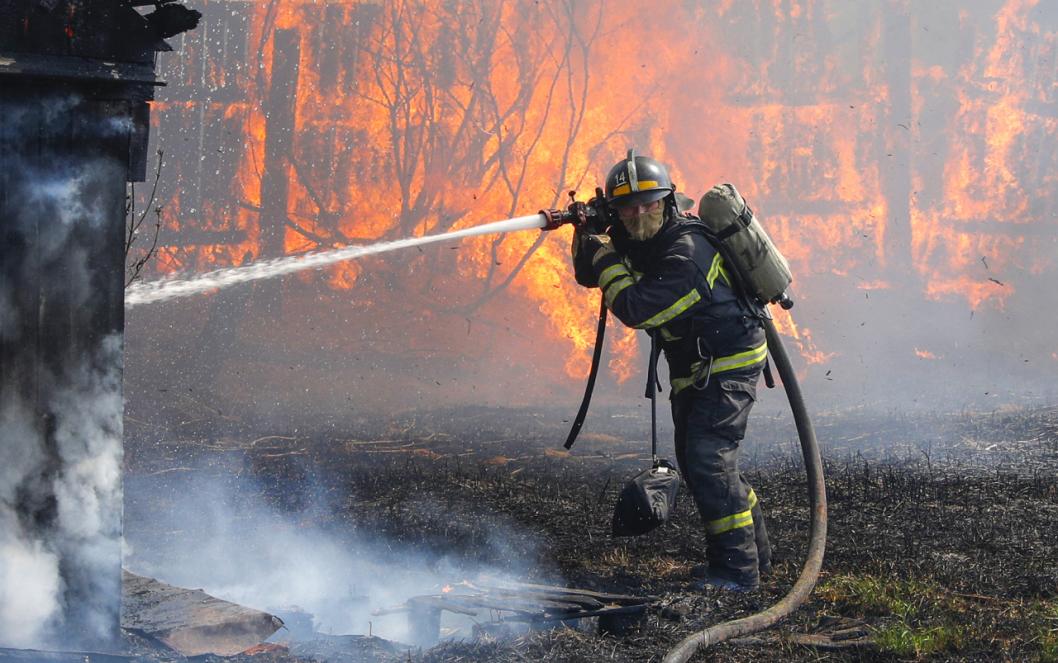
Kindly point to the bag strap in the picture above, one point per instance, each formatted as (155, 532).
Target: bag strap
(582, 413)
(652, 394)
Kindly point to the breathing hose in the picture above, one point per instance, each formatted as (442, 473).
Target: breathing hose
(817, 496)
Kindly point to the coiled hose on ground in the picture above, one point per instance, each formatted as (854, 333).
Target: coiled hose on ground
(817, 533)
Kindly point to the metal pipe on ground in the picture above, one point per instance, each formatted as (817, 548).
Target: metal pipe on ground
(817, 495)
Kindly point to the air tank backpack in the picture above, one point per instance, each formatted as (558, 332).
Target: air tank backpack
(762, 271)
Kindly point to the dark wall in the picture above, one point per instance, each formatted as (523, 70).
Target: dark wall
(63, 167)
(106, 29)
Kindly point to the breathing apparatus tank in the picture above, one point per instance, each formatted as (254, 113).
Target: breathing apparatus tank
(761, 269)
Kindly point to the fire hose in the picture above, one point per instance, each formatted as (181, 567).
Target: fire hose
(817, 532)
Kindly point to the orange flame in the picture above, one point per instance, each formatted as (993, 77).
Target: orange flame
(980, 176)
(785, 325)
(413, 119)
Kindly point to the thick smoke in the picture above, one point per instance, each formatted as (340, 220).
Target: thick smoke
(29, 568)
(88, 436)
(60, 373)
(59, 575)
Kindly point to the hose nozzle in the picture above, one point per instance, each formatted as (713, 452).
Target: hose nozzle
(592, 214)
(556, 218)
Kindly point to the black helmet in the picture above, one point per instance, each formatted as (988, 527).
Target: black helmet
(637, 181)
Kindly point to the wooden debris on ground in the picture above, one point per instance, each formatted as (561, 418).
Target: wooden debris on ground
(519, 602)
(190, 621)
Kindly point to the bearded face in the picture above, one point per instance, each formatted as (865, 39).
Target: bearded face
(642, 221)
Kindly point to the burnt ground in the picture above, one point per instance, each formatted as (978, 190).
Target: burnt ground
(943, 539)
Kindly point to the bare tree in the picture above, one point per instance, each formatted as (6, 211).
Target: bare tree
(140, 246)
(453, 127)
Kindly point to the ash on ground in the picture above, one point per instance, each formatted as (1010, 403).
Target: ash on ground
(922, 510)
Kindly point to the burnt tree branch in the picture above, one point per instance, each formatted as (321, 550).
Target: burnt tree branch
(134, 222)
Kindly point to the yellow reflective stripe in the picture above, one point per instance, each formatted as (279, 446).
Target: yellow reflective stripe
(666, 335)
(740, 519)
(615, 288)
(740, 360)
(728, 523)
(644, 185)
(724, 275)
(722, 364)
(610, 273)
(681, 305)
(714, 270)
(679, 384)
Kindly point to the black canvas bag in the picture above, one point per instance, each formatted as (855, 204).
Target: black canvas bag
(647, 500)
(650, 497)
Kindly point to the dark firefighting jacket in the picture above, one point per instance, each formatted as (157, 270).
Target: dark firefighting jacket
(676, 287)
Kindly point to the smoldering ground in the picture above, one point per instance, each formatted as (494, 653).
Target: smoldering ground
(282, 535)
(942, 533)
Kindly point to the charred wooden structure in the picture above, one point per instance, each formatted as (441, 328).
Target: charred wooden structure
(76, 76)
(520, 602)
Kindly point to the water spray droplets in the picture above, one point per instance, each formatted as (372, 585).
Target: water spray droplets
(172, 288)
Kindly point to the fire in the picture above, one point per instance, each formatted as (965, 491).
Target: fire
(413, 117)
(785, 324)
(623, 363)
(981, 180)
(874, 285)
(925, 354)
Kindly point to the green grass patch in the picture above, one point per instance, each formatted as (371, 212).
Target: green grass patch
(872, 595)
(1047, 632)
(917, 619)
(920, 617)
(908, 641)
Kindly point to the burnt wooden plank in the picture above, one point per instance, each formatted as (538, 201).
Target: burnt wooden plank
(615, 610)
(584, 602)
(279, 141)
(520, 605)
(440, 603)
(601, 596)
(191, 621)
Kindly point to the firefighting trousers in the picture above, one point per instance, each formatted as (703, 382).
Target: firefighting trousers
(710, 423)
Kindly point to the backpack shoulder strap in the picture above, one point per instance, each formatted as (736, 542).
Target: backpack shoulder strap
(746, 302)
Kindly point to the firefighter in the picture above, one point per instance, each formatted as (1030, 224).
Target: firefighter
(659, 272)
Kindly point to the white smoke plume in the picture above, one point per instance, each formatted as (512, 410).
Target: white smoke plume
(29, 571)
(88, 496)
(61, 223)
(54, 575)
(219, 534)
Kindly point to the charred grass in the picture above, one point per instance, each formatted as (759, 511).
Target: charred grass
(943, 537)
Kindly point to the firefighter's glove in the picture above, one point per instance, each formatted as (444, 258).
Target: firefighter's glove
(595, 246)
(587, 250)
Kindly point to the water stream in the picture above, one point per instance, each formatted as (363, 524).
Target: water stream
(146, 292)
